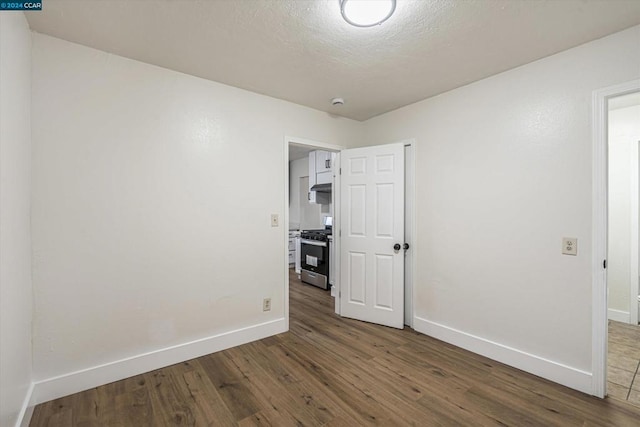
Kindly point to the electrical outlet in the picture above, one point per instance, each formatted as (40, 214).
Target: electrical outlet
(274, 220)
(266, 304)
(569, 246)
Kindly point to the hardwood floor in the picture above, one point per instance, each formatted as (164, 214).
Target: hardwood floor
(335, 372)
(623, 362)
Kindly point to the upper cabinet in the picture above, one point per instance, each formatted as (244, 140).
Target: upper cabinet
(323, 161)
(320, 173)
(323, 167)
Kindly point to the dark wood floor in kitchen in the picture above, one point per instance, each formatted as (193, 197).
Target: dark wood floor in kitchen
(337, 372)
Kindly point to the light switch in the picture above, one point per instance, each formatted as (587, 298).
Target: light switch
(569, 246)
(274, 220)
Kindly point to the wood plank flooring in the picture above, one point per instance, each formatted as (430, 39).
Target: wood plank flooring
(335, 372)
(623, 362)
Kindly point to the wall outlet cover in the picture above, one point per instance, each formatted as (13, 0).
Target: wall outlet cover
(570, 246)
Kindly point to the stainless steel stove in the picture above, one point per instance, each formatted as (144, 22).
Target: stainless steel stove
(314, 258)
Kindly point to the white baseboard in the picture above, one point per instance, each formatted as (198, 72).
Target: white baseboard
(73, 382)
(618, 315)
(24, 417)
(553, 371)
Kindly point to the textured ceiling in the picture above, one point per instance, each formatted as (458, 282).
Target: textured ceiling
(302, 51)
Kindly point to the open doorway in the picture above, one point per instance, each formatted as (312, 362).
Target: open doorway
(309, 210)
(623, 342)
(600, 231)
(299, 151)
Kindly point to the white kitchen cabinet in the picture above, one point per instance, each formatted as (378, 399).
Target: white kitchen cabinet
(293, 249)
(325, 175)
(320, 172)
(323, 161)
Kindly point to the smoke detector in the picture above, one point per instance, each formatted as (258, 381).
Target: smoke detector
(337, 101)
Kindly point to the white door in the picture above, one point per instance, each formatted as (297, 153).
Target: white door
(372, 223)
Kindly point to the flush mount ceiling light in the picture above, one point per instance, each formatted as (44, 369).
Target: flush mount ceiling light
(367, 13)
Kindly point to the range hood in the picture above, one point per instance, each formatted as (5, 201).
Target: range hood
(321, 188)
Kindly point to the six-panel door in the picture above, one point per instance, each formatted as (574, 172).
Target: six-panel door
(372, 212)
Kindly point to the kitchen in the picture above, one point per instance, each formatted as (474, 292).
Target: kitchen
(310, 248)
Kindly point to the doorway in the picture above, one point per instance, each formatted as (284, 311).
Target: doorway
(611, 181)
(298, 148)
(300, 213)
(623, 339)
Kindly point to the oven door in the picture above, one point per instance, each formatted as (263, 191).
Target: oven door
(315, 256)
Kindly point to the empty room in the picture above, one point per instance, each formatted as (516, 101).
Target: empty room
(319, 212)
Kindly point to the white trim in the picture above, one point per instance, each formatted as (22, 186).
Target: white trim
(545, 368)
(633, 250)
(599, 231)
(599, 238)
(618, 315)
(73, 382)
(26, 411)
(337, 241)
(285, 229)
(294, 140)
(411, 235)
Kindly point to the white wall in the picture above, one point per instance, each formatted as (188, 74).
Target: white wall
(15, 235)
(503, 173)
(297, 169)
(624, 133)
(152, 197)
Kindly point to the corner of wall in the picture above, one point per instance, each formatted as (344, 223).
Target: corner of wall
(16, 290)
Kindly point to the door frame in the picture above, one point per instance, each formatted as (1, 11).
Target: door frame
(599, 320)
(285, 228)
(410, 229)
(634, 262)
(410, 208)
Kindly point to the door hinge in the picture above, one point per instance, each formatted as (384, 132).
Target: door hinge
(340, 171)
(604, 264)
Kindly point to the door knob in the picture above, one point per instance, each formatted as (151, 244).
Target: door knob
(396, 247)
(406, 246)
